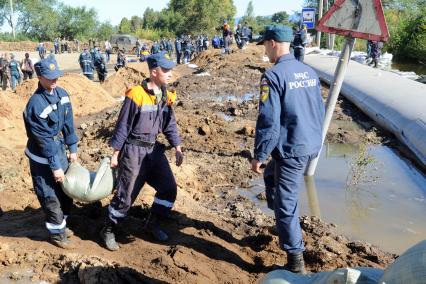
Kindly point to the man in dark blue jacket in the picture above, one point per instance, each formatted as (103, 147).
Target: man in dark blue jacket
(178, 48)
(49, 124)
(291, 112)
(86, 64)
(146, 112)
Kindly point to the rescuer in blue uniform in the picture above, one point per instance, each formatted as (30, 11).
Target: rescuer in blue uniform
(288, 128)
(15, 75)
(48, 119)
(146, 112)
(86, 64)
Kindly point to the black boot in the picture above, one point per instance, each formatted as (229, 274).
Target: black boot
(68, 232)
(295, 263)
(153, 226)
(108, 236)
(61, 240)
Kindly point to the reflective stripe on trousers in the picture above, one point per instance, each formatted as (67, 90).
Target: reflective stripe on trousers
(139, 165)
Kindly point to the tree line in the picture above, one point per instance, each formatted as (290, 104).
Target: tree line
(43, 20)
(194, 17)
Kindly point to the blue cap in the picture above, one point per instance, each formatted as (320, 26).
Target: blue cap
(278, 33)
(161, 59)
(48, 68)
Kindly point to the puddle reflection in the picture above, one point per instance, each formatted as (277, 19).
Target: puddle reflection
(385, 207)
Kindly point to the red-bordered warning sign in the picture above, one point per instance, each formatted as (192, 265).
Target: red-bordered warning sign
(357, 18)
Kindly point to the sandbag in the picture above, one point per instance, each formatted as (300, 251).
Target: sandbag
(410, 267)
(85, 186)
(364, 275)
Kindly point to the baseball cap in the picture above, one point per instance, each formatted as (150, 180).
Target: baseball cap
(48, 68)
(278, 33)
(161, 59)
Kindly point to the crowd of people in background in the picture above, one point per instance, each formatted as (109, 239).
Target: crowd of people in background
(13, 72)
(96, 55)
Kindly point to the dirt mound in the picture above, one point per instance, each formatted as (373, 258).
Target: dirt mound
(214, 60)
(125, 78)
(11, 107)
(73, 267)
(87, 97)
(22, 45)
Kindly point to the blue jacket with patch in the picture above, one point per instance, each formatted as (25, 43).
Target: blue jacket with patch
(291, 111)
(86, 63)
(49, 124)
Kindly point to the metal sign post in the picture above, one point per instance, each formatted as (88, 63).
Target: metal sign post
(353, 19)
(333, 95)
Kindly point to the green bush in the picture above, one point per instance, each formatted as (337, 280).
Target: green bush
(148, 34)
(407, 34)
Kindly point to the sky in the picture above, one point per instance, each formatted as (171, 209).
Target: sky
(127, 8)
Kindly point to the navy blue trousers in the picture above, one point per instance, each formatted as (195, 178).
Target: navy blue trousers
(283, 182)
(139, 165)
(54, 202)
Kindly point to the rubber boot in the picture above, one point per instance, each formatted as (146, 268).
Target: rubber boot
(295, 263)
(61, 240)
(153, 226)
(69, 233)
(108, 236)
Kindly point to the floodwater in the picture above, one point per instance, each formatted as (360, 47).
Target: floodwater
(371, 194)
(418, 68)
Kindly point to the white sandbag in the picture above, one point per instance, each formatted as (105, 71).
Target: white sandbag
(410, 267)
(364, 275)
(85, 186)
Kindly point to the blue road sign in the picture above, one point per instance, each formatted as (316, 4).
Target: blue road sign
(308, 17)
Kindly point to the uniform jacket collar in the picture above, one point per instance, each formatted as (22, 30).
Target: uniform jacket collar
(53, 98)
(144, 85)
(286, 57)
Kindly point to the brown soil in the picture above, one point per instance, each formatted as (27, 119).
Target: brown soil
(31, 45)
(133, 74)
(22, 45)
(217, 236)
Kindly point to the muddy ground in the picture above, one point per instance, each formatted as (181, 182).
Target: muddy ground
(217, 236)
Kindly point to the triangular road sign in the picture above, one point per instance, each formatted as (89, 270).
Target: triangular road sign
(356, 18)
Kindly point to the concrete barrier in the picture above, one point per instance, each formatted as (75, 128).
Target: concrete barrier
(396, 103)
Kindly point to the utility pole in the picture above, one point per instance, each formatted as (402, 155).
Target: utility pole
(12, 24)
(328, 37)
(320, 8)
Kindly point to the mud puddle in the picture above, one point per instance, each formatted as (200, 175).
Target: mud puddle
(370, 193)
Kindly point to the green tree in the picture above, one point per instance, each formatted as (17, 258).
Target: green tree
(104, 31)
(201, 16)
(125, 26)
(150, 17)
(249, 17)
(77, 22)
(35, 18)
(136, 22)
(280, 18)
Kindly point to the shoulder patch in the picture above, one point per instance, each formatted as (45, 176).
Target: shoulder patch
(171, 97)
(264, 90)
(135, 94)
